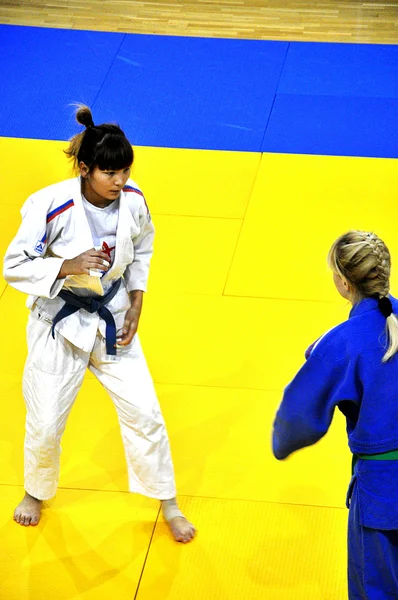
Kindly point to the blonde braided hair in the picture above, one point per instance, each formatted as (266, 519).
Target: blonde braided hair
(363, 260)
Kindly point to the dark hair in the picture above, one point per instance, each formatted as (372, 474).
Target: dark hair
(104, 146)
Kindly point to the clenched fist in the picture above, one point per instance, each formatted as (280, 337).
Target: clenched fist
(81, 265)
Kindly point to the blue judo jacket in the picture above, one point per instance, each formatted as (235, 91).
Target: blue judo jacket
(344, 369)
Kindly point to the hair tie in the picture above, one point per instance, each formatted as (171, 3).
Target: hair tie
(88, 121)
(385, 306)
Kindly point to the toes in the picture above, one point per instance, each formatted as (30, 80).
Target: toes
(184, 533)
(26, 520)
(184, 540)
(189, 535)
(186, 537)
(27, 513)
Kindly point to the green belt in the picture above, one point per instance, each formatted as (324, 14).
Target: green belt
(392, 455)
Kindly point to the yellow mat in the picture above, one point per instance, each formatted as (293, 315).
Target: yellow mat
(192, 254)
(11, 219)
(299, 206)
(89, 545)
(250, 551)
(220, 440)
(239, 288)
(175, 182)
(13, 319)
(196, 182)
(206, 340)
(221, 443)
(231, 342)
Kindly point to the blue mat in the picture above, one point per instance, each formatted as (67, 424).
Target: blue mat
(218, 94)
(333, 125)
(193, 92)
(43, 71)
(341, 70)
(164, 91)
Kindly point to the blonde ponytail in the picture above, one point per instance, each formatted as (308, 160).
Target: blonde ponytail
(392, 335)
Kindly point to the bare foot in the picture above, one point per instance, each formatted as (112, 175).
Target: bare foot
(182, 530)
(28, 511)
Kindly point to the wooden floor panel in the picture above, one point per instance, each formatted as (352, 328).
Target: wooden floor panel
(348, 21)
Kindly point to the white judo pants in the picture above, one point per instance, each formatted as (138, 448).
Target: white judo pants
(53, 375)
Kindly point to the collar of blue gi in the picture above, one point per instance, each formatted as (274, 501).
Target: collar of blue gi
(363, 306)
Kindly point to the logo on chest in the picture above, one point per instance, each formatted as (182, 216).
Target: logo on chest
(107, 249)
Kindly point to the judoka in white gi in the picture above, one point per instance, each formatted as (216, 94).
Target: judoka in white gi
(355, 367)
(82, 253)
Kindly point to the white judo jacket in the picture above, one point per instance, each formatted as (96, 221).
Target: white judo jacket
(54, 228)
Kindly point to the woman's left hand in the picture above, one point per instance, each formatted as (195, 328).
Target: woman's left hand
(131, 319)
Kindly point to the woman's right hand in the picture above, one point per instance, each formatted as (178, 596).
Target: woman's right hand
(81, 265)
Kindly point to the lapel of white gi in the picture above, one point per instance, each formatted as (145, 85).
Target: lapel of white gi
(123, 233)
(84, 240)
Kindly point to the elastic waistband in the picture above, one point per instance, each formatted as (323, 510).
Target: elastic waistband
(392, 455)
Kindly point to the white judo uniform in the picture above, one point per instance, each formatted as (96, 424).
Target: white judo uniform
(54, 228)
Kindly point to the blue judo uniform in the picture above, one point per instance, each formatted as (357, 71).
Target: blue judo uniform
(344, 369)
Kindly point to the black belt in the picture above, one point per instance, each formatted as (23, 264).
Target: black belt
(92, 304)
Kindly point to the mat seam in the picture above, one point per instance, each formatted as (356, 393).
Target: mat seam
(191, 496)
(241, 226)
(109, 70)
(147, 554)
(275, 95)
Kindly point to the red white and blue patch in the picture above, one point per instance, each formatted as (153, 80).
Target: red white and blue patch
(41, 244)
(130, 188)
(58, 211)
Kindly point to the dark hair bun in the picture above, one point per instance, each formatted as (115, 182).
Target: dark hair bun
(84, 116)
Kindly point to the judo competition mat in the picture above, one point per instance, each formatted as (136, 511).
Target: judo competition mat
(253, 157)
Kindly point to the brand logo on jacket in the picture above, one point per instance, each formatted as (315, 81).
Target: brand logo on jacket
(39, 247)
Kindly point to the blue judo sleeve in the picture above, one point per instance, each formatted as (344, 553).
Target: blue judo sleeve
(309, 401)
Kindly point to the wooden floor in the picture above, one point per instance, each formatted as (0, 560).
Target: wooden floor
(375, 21)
